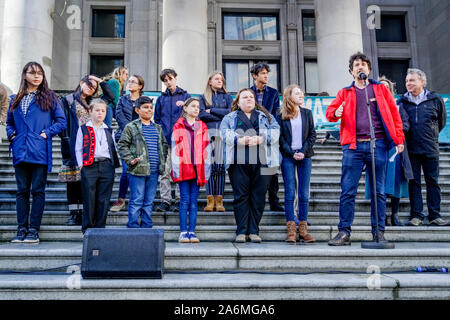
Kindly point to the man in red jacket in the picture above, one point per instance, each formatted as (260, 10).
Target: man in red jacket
(350, 106)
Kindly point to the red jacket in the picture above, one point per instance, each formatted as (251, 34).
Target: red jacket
(386, 104)
(182, 167)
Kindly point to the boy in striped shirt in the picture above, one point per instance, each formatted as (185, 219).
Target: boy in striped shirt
(144, 149)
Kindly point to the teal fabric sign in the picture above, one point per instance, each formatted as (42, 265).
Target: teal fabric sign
(319, 105)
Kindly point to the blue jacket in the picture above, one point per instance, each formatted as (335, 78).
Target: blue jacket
(221, 106)
(270, 132)
(167, 112)
(271, 100)
(27, 144)
(124, 114)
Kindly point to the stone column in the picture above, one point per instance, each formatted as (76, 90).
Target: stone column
(339, 35)
(185, 42)
(27, 36)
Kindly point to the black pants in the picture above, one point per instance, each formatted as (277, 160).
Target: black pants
(30, 177)
(249, 189)
(430, 167)
(74, 193)
(273, 189)
(97, 183)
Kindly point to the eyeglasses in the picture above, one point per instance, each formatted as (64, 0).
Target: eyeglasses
(34, 73)
(132, 81)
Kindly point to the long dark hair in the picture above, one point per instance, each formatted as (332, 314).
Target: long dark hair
(44, 96)
(86, 80)
(259, 107)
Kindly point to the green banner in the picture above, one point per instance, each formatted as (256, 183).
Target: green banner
(319, 105)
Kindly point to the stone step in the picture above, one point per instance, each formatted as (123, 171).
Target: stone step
(317, 181)
(324, 205)
(317, 166)
(211, 233)
(318, 205)
(229, 286)
(220, 256)
(59, 218)
(315, 193)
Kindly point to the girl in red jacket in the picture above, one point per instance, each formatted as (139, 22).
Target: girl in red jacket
(190, 164)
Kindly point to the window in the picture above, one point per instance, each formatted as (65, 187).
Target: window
(311, 76)
(309, 26)
(394, 70)
(108, 23)
(250, 27)
(103, 65)
(237, 74)
(392, 28)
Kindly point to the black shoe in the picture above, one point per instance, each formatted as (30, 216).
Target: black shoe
(21, 234)
(176, 207)
(163, 207)
(341, 239)
(380, 237)
(32, 236)
(276, 206)
(395, 221)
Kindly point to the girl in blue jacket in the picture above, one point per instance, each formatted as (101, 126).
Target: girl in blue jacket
(34, 117)
(125, 114)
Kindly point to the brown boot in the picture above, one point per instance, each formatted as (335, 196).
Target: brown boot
(219, 204)
(291, 232)
(303, 232)
(210, 205)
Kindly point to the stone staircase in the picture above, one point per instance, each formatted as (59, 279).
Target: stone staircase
(217, 268)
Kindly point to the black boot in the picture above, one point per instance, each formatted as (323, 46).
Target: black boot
(79, 216)
(395, 204)
(386, 221)
(73, 218)
(395, 221)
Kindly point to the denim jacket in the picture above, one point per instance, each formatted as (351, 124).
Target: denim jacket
(269, 131)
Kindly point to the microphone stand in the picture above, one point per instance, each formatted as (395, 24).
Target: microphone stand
(374, 244)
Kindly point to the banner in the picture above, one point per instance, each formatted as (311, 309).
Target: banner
(318, 106)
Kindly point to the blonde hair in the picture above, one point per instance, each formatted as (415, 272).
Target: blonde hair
(391, 85)
(208, 91)
(116, 74)
(289, 109)
(95, 102)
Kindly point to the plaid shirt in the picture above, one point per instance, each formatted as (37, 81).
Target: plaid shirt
(260, 95)
(26, 101)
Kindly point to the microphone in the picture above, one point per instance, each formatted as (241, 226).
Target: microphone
(423, 269)
(362, 76)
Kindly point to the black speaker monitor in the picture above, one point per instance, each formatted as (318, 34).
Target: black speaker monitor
(123, 253)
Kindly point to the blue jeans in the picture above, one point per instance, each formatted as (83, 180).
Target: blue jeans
(109, 116)
(30, 177)
(142, 194)
(189, 190)
(352, 165)
(123, 184)
(289, 167)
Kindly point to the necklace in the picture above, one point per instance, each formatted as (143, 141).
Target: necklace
(99, 137)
